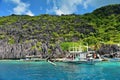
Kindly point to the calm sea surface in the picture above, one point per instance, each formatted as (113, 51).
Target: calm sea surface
(18, 70)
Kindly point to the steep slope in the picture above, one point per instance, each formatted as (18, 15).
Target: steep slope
(107, 10)
(41, 33)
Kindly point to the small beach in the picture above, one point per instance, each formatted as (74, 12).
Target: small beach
(20, 70)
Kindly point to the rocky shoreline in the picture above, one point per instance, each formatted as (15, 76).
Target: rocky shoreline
(19, 51)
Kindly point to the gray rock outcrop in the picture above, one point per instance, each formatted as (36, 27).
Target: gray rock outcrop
(20, 50)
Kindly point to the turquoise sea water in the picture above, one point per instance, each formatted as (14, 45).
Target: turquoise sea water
(18, 70)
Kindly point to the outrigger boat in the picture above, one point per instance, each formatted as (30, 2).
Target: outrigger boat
(77, 56)
(32, 58)
(82, 58)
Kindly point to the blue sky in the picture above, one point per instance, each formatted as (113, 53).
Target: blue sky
(54, 7)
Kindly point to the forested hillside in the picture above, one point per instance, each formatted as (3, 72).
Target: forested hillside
(102, 25)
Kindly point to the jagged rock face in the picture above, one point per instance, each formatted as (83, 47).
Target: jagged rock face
(17, 51)
(107, 49)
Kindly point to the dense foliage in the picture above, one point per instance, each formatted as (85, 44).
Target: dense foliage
(102, 25)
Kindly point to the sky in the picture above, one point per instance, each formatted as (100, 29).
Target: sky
(52, 7)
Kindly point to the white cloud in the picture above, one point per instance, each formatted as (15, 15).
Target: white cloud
(71, 6)
(68, 7)
(64, 6)
(29, 13)
(85, 4)
(59, 12)
(21, 8)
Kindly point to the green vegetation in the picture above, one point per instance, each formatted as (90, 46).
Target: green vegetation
(67, 45)
(102, 25)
